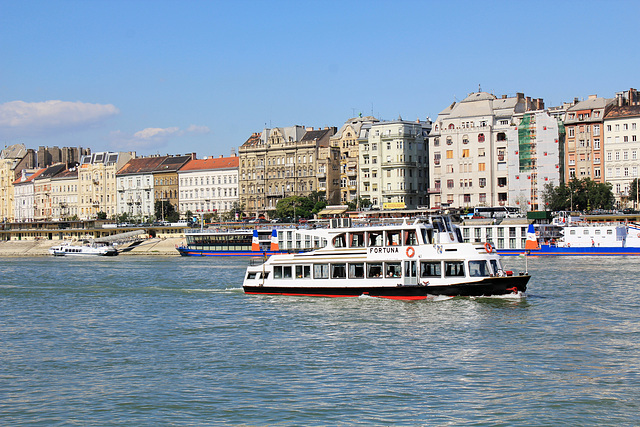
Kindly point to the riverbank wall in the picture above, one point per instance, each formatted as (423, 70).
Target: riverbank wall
(155, 246)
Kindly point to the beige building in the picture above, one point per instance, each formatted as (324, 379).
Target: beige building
(346, 139)
(283, 162)
(393, 161)
(97, 183)
(64, 194)
(42, 193)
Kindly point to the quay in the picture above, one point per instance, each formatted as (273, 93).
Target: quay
(34, 239)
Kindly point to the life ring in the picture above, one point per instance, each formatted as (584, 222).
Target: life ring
(411, 252)
(638, 234)
(488, 247)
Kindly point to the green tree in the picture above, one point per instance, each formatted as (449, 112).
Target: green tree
(580, 194)
(295, 207)
(633, 190)
(165, 211)
(102, 215)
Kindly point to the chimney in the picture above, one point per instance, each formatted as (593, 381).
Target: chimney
(309, 128)
(593, 96)
(539, 104)
(193, 156)
(220, 156)
(519, 95)
(504, 96)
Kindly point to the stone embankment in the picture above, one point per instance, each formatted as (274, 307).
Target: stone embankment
(156, 246)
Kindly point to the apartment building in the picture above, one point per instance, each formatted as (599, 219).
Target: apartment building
(42, 192)
(135, 187)
(393, 159)
(209, 185)
(283, 162)
(346, 139)
(622, 146)
(23, 188)
(165, 179)
(468, 146)
(583, 151)
(64, 194)
(534, 157)
(97, 183)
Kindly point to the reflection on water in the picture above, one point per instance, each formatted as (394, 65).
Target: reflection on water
(153, 340)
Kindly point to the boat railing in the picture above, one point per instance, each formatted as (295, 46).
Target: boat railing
(257, 261)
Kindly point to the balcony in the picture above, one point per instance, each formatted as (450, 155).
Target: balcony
(399, 164)
(321, 175)
(437, 190)
(398, 192)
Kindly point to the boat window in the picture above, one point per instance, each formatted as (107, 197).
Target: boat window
(338, 271)
(438, 224)
(277, 272)
(375, 238)
(585, 231)
(454, 268)
(609, 231)
(374, 270)
(320, 271)
(303, 272)
(392, 269)
(286, 272)
(410, 237)
(409, 269)
(393, 238)
(251, 276)
(496, 267)
(478, 269)
(426, 236)
(598, 231)
(430, 269)
(356, 271)
(357, 239)
(572, 231)
(340, 241)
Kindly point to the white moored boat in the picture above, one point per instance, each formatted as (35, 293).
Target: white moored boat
(404, 261)
(85, 248)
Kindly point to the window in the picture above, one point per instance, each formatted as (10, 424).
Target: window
(465, 152)
(430, 269)
(356, 270)
(481, 167)
(338, 271)
(320, 271)
(374, 270)
(481, 137)
(303, 272)
(392, 269)
(449, 154)
(454, 268)
(478, 269)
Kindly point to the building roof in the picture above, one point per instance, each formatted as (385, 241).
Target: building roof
(211, 164)
(29, 178)
(141, 165)
(68, 174)
(254, 139)
(51, 171)
(15, 151)
(618, 112)
(172, 164)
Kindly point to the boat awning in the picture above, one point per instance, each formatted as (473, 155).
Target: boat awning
(116, 237)
(333, 210)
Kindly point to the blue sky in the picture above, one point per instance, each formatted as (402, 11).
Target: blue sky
(201, 76)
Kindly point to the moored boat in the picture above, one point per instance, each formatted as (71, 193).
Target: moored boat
(403, 261)
(85, 248)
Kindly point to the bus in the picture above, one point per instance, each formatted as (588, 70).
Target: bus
(497, 212)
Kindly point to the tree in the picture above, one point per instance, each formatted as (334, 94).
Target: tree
(295, 207)
(165, 211)
(580, 194)
(102, 215)
(633, 190)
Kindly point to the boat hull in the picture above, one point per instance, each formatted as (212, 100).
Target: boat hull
(547, 250)
(485, 287)
(208, 252)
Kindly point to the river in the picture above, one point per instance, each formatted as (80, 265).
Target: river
(174, 341)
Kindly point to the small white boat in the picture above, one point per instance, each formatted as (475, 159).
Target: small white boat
(85, 248)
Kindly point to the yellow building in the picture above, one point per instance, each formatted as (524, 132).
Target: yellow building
(97, 183)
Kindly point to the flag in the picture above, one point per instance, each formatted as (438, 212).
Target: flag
(274, 240)
(255, 243)
(532, 240)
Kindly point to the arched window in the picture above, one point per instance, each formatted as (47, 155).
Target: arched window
(465, 139)
(481, 137)
(449, 140)
(452, 126)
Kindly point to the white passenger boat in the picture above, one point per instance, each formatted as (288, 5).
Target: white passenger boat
(85, 248)
(404, 261)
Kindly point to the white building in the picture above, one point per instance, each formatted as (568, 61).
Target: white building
(468, 161)
(209, 185)
(135, 187)
(533, 158)
(622, 148)
(24, 195)
(392, 164)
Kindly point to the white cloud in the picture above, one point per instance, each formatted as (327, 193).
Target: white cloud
(152, 137)
(21, 118)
